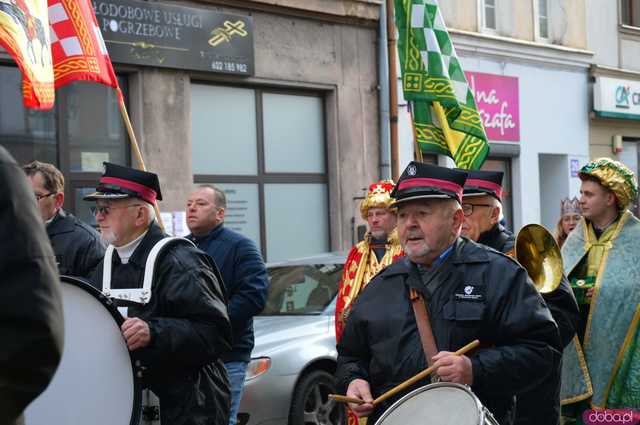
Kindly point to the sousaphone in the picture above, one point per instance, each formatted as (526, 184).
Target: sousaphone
(538, 252)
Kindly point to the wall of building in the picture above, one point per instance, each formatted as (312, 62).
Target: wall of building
(461, 14)
(602, 31)
(568, 23)
(337, 59)
(602, 132)
(553, 120)
(616, 50)
(515, 19)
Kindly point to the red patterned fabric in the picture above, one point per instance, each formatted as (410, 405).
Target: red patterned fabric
(54, 42)
(24, 35)
(77, 46)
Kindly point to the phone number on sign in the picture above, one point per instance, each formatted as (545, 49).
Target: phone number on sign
(229, 66)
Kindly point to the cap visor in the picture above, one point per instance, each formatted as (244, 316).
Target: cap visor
(418, 197)
(475, 193)
(104, 195)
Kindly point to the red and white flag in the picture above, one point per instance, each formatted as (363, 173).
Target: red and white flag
(77, 46)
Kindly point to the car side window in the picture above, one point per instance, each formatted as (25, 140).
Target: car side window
(302, 289)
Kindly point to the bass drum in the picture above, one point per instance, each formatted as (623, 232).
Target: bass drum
(96, 381)
(443, 403)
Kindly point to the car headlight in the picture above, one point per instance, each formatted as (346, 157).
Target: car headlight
(257, 367)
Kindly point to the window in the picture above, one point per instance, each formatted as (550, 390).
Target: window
(304, 289)
(83, 129)
(630, 12)
(630, 156)
(543, 19)
(266, 150)
(489, 14)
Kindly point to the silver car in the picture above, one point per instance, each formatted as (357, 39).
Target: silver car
(291, 371)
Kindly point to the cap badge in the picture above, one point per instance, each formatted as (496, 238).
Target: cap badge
(411, 170)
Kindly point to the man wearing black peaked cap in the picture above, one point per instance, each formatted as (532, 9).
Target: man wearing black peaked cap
(470, 292)
(178, 328)
(482, 208)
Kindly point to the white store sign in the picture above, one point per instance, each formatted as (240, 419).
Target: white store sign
(616, 98)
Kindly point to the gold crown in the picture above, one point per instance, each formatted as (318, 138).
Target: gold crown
(378, 196)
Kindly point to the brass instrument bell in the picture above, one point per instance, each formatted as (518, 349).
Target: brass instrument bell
(538, 252)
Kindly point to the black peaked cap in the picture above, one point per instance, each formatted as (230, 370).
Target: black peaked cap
(421, 181)
(122, 182)
(484, 183)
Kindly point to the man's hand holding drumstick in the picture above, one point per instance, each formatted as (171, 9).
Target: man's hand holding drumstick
(451, 367)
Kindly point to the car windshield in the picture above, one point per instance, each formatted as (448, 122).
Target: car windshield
(301, 289)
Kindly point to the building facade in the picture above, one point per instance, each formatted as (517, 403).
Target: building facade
(276, 102)
(528, 64)
(614, 96)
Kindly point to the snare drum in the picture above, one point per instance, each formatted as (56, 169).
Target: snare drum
(443, 403)
(96, 381)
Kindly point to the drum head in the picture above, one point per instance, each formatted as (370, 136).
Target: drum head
(94, 383)
(435, 404)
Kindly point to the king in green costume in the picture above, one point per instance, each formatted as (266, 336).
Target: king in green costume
(601, 367)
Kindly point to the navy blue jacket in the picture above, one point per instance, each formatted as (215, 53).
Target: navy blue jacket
(245, 278)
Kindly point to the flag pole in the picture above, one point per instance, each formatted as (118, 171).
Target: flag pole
(134, 144)
(444, 125)
(417, 151)
(393, 90)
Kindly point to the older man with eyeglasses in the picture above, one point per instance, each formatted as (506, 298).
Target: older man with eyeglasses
(180, 331)
(482, 208)
(76, 245)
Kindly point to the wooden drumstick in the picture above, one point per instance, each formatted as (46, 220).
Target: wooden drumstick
(470, 346)
(345, 399)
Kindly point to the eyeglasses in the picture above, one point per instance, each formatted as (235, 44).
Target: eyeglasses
(39, 197)
(105, 210)
(467, 209)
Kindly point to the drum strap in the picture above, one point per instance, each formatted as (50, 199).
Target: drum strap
(138, 295)
(424, 325)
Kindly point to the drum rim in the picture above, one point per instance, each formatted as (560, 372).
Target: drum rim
(465, 388)
(113, 310)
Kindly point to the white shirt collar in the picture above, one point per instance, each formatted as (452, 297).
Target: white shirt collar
(126, 251)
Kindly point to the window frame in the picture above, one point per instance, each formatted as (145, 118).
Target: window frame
(630, 9)
(76, 179)
(482, 16)
(635, 204)
(262, 177)
(537, 17)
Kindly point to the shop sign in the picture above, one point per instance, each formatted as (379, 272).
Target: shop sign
(498, 104)
(615, 98)
(170, 36)
(575, 167)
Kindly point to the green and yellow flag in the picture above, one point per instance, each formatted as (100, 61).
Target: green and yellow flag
(433, 80)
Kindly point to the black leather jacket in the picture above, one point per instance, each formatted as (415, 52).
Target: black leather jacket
(77, 245)
(498, 238)
(190, 330)
(31, 323)
(541, 404)
(476, 293)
